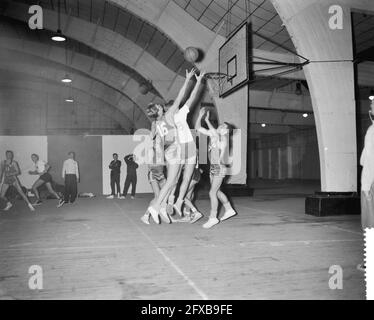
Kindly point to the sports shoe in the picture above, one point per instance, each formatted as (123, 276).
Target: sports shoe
(31, 207)
(164, 215)
(228, 214)
(132, 197)
(145, 219)
(110, 197)
(154, 215)
(122, 198)
(196, 216)
(8, 206)
(211, 223)
(37, 203)
(60, 203)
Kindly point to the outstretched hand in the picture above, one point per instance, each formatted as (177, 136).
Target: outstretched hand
(190, 74)
(201, 76)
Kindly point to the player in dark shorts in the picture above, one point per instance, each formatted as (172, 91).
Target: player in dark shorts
(9, 172)
(41, 170)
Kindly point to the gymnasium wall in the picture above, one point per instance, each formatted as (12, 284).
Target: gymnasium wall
(123, 145)
(23, 147)
(93, 154)
(88, 155)
(289, 156)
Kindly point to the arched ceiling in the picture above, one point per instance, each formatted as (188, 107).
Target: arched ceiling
(95, 69)
(111, 50)
(224, 16)
(123, 22)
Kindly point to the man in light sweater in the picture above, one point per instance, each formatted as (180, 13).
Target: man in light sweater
(367, 179)
(70, 173)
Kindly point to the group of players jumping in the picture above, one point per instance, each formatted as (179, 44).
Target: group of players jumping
(172, 148)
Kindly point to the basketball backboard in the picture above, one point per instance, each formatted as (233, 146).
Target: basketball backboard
(233, 61)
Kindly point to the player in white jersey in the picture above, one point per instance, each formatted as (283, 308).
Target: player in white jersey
(173, 137)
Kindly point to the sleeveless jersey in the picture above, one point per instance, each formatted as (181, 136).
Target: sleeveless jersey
(166, 130)
(9, 168)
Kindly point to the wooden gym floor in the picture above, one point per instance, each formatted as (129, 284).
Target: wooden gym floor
(99, 249)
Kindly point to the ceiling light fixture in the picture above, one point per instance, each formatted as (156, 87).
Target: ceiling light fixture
(69, 100)
(305, 115)
(66, 79)
(58, 36)
(371, 96)
(263, 125)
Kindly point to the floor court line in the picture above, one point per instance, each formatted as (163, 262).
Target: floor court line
(166, 257)
(241, 244)
(346, 230)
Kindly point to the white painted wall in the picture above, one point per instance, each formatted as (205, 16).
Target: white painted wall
(123, 145)
(23, 147)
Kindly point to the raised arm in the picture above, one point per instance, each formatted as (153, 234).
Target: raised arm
(195, 90)
(127, 158)
(182, 91)
(198, 126)
(209, 124)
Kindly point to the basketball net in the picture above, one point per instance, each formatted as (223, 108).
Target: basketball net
(216, 83)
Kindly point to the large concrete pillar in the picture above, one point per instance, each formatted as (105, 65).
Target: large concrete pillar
(330, 77)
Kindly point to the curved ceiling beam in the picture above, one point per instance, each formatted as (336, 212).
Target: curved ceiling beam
(85, 68)
(117, 18)
(75, 47)
(112, 43)
(48, 72)
(172, 20)
(36, 84)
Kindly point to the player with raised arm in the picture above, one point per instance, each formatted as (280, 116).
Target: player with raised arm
(218, 145)
(165, 128)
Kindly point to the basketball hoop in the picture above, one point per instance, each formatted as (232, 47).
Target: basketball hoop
(217, 82)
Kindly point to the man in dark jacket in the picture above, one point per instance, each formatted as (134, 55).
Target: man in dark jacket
(115, 176)
(131, 177)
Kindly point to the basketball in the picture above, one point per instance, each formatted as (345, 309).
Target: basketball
(143, 88)
(191, 54)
